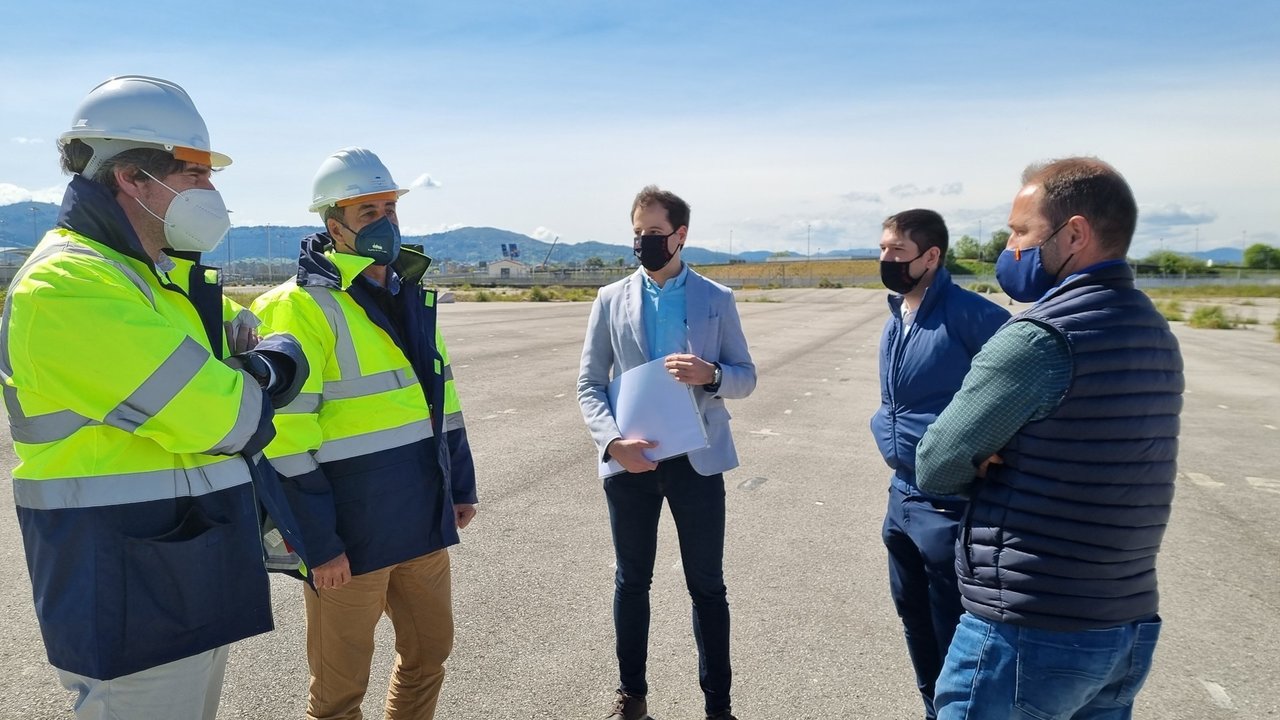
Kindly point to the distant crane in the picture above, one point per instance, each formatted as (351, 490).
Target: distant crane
(548, 257)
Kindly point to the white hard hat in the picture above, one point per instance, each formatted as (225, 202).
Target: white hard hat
(135, 111)
(350, 175)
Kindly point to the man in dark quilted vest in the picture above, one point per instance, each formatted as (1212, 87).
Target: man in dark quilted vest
(1068, 418)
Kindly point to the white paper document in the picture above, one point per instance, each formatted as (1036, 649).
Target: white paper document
(649, 404)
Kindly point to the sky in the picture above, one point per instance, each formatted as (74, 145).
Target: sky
(787, 126)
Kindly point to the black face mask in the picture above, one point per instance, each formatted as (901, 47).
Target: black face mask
(652, 250)
(896, 274)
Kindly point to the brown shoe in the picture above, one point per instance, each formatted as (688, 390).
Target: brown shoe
(629, 707)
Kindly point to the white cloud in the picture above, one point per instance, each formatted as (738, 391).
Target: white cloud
(856, 196)
(907, 190)
(10, 194)
(26, 140)
(544, 234)
(425, 181)
(1170, 214)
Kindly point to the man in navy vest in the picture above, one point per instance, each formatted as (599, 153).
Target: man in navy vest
(1069, 417)
(934, 329)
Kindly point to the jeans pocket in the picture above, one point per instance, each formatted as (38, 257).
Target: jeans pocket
(1059, 673)
(174, 582)
(1140, 659)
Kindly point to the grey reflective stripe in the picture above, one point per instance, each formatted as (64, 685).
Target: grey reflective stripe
(448, 373)
(105, 490)
(372, 442)
(58, 425)
(344, 348)
(453, 421)
(247, 418)
(304, 403)
(162, 386)
(38, 429)
(369, 384)
(295, 465)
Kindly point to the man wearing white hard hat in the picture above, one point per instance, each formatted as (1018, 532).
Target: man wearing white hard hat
(139, 401)
(373, 452)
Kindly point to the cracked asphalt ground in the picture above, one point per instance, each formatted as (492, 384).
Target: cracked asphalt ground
(814, 633)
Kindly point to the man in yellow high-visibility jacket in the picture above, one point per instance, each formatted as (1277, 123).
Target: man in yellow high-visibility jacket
(137, 402)
(373, 452)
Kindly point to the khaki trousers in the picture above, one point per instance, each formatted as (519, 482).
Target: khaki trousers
(340, 624)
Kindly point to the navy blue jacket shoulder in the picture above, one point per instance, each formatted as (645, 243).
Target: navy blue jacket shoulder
(922, 369)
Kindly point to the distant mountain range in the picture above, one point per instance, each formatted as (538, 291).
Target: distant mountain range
(22, 224)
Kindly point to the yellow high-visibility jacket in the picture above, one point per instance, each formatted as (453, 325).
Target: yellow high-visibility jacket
(373, 452)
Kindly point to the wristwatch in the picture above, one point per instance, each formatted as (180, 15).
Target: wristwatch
(714, 385)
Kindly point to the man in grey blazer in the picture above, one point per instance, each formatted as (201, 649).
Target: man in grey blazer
(667, 310)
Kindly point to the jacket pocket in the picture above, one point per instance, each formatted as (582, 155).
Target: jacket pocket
(174, 583)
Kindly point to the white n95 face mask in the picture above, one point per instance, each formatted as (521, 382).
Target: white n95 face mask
(196, 220)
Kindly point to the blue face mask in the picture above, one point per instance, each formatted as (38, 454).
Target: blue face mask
(378, 241)
(1022, 274)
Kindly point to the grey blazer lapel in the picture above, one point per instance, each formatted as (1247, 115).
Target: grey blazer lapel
(634, 292)
(696, 312)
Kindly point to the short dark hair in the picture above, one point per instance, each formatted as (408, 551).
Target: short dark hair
(923, 227)
(1091, 188)
(677, 209)
(75, 156)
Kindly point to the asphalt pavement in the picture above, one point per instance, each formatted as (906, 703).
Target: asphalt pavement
(814, 632)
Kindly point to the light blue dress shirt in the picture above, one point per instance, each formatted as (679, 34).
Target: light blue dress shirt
(666, 327)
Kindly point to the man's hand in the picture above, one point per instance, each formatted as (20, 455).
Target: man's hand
(982, 469)
(630, 455)
(333, 574)
(690, 369)
(462, 514)
(240, 339)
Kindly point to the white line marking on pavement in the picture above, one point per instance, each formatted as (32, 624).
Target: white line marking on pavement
(1270, 427)
(1202, 480)
(818, 502)
(787, 411)
(808, 394)
(1264, 484)
(510, 411)
(1224, 407)
(1218, 695)
(766, 431)
(560, 395)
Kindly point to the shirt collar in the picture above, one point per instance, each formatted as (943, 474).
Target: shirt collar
(672, 284)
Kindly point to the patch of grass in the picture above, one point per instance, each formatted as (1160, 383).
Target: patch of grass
(539, 294)
(825, 283)
(1216, 291)
(765, 299)
(1276, 324)
(985, 288)
(243, 296)
(1170, 309)
(1211, 317)
(1247, 303)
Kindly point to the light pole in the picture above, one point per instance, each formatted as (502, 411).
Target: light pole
(808, 250)
(35, 239)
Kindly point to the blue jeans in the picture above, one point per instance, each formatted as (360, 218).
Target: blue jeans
(920, 534)
(998, 670)
(697, 506)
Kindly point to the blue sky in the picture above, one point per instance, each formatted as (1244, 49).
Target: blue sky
(780, 122)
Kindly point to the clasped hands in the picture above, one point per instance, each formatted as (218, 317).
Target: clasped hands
(684, 367)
